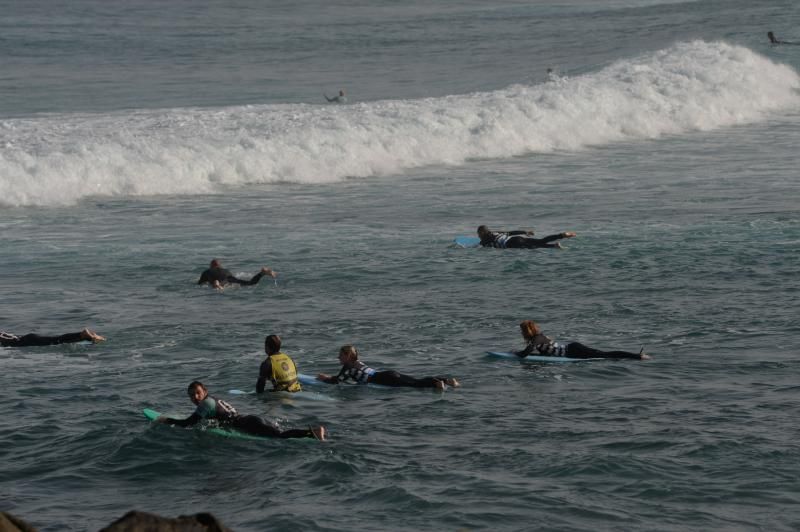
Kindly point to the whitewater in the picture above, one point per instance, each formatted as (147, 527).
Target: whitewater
(693, 86)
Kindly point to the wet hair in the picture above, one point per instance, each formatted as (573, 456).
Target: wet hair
(195, 384)
(214, 263)
(349, 350)
(272, 343)
(529, 328)
(482, 229)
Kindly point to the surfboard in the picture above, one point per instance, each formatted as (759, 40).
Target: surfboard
(468, 241)
(303, 394)
(227, 433)
(537, 358)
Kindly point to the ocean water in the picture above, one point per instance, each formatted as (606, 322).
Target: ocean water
(139, 141)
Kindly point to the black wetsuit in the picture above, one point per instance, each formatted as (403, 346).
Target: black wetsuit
(519, 239)
(226, 415)
(360, 373)
(9, 340)
(545, 346)
(225, 276)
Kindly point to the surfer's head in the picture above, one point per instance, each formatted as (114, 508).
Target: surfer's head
(272, 344)
(529, 329)
(348, 355)
(341, 92)
(214, 264)
(482, 230)
(197, 392)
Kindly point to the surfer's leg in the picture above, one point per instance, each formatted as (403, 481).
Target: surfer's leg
(578, 350)
(256, 426)
(38, 340)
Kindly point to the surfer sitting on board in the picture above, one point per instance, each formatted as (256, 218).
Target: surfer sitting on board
(218, 277)
(277, 368)
(336, 99)
(10, 340)
(518, 239)
(539, 344)
(227, 417)
(355, 371)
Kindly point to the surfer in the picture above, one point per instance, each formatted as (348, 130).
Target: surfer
(277, 368)
(518, 239)
(10, 340)
(539, 344)
(336, 99)
(355, 371)
(210, 408)
(218, 277)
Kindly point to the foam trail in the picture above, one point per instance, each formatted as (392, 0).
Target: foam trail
(55, 160)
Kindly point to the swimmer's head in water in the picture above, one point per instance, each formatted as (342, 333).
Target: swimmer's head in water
(214, 263)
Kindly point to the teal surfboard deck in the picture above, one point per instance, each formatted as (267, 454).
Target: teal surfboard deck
(152, 415)
(537, 358)
(468, 241)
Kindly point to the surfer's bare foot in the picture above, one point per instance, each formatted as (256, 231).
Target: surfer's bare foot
(643, 355)
(440, 385)
(558, 245)
(268, 271)
(569, 234)
(319, 433)
(453, 383)
(86, 334)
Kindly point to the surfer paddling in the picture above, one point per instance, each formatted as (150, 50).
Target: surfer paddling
(519, 239)
(356, 372)
(340, 98)
(11, 340)
(210, 408)
(539, 344)
(218, 277)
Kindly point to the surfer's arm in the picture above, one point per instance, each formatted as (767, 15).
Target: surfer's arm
(329, 99)
(203, 278)
(264, 374)
(194, 419)
(328, 378)
(525, 352)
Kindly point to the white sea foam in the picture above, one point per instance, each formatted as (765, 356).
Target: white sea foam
(54, 160)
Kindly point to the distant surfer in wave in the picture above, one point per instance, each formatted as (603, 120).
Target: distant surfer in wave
(519, 239)
(356, 372)
(340, 98)
(215, 409)
(218, 277)
(278, 368)
(10, 340)
(539, 344)
(775, 40)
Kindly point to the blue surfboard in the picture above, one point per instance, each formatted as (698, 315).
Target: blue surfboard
(468, 241)
(537, 358)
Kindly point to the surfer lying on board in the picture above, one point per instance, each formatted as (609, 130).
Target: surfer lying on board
(10, 340)
(775, 40)
(227, 417)
(355, 371)
(218, 277)
(336, 99)
(277, 368)
(518, 239)
(539, 344)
